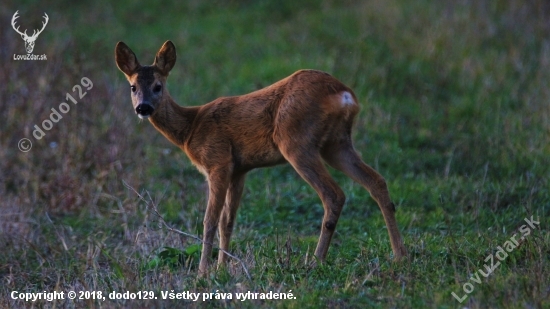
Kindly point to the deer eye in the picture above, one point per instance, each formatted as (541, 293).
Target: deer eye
(133, 88)
(157, 88)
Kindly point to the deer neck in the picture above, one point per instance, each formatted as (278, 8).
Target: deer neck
(173, 121)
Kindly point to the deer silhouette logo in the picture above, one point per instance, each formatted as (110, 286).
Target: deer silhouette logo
(29, 40)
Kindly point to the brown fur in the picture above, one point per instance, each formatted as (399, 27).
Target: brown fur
(304, 119)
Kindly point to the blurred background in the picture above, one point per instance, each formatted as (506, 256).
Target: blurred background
(454, 113)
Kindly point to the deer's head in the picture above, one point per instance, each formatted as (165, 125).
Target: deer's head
(147, 83)
(29, 40)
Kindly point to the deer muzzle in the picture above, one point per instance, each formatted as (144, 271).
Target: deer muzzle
(144, 110)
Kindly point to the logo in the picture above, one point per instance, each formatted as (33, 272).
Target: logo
(29, 40)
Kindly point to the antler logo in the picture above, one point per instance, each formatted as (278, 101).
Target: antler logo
(29, 40)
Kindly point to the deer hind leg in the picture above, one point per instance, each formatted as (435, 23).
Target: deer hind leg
(227, 220)
(218, 183)
(313, 171)
(343, 157)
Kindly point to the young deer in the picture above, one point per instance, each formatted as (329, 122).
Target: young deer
(303, 119)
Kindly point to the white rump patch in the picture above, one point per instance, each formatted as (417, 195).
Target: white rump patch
(347, 98)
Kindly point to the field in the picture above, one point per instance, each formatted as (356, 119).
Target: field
(455, 113)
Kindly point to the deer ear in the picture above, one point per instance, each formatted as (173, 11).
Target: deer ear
(166, 57)
(125, 59)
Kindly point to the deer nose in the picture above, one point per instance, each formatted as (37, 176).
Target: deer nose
(144, 109)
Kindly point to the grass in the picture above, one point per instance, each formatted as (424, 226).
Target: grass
(455, 115)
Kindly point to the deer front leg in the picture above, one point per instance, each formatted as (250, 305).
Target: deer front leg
(218, 182)
(227, 220)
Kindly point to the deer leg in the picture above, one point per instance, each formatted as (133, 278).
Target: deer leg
(227, 220)
(218, 182)
(348, 161)
(313, 170)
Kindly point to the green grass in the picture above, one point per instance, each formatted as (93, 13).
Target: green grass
(455, 115)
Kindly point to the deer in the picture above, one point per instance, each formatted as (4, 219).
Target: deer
(29, 40)
(305, 119)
